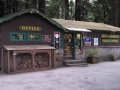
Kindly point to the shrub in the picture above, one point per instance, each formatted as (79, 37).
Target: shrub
(92, 53)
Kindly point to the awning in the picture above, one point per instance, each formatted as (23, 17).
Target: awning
(79, 29)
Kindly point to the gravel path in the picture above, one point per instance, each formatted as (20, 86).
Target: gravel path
(101, 76)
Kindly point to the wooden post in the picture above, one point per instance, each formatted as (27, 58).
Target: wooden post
(33, 60)
(50, 59)
(8, 59)
(14, 61)
(54, 59)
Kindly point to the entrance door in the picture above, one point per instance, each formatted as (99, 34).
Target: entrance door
(68, 46)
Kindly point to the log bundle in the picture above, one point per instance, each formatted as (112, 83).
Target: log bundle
(41, 60)
(24, 62)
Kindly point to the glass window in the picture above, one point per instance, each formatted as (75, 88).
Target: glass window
(17, 37)
(34, 37)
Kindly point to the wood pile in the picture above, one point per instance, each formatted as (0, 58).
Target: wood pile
(25, 62)
(41, 60)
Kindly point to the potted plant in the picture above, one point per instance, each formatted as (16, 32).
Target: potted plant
(112, 57)
(92, 55)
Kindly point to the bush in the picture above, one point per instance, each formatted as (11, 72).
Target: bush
(111, 55)
(92, 53)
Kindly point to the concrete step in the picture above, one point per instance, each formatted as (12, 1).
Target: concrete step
(78, 64)
(73, 61)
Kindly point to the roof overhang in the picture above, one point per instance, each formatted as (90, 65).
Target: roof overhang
(78, 29)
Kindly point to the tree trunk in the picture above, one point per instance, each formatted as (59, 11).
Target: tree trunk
(118, 13)
(2, 8)
(34, 4)
(66, 9)
(14, 6)
(114, 13)
(41, 6)
(78, 10)
(8, 7)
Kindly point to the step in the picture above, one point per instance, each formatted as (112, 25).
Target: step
(78, 64)
(73, 61)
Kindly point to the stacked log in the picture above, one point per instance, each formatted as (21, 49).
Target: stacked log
(41, 60)
(25, 62)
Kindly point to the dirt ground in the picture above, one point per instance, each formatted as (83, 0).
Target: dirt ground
(101, 76)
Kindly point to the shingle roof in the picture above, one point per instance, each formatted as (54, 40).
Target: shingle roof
(86, 25)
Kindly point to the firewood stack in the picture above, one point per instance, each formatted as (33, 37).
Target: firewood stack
(41, 60)
(25, 62)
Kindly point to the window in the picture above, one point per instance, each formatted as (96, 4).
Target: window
(17, 37)
(34, 37)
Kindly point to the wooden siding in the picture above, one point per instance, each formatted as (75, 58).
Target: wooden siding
(26, 20)
(93, 35)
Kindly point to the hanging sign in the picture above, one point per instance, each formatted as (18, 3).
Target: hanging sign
(30, 28)
(87, 41)
(46, 38)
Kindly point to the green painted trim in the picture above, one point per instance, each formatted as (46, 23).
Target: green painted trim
(34, 40)
(75, 35)
(82, 40)
(24, 35)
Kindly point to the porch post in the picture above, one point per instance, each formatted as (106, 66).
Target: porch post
(8, 59)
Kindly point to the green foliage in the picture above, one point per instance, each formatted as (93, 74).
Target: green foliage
(91, 52)
(52, 10)
(111, 55)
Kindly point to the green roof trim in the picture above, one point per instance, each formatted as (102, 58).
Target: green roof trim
(13, 15)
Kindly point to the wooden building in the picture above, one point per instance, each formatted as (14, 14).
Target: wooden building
(30, 36)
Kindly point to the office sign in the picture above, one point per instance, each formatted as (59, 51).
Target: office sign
(30, 28)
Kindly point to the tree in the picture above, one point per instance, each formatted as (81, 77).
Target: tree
(14, 6)
(78, 10)
(41, 6)
(66, 9)
(52, 10)
(8, 6)
(2, 8)
(118, 13)
(82, 10)
(114, 13)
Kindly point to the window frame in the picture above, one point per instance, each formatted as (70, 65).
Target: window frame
(34, 40)
(24, 35)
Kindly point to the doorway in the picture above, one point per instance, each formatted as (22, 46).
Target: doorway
(68, 46)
